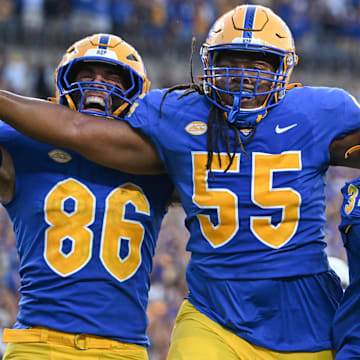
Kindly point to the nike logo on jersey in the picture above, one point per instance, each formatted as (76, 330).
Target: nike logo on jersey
(60, 156)
(280, 130)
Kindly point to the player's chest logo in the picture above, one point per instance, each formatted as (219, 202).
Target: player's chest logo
(281, 130)
(196, 128)
(60, 156)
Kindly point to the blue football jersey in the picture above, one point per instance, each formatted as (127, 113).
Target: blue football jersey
(85, 235)
(346, 329)
(261, 220)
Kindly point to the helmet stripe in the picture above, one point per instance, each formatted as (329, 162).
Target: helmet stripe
(104, 39)
(249, 21)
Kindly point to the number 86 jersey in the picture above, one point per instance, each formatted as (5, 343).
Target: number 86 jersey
(85, 235)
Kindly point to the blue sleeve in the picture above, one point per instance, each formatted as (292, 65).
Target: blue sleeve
(144, 114)
(331, 114)
(351, 117)
(145, 117)
(344, 114)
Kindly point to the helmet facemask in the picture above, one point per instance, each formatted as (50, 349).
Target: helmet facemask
(102, 97)
(266, 28)
(117, 100)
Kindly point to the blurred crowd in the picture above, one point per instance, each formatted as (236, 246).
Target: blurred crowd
(37, 32)
(327, 33)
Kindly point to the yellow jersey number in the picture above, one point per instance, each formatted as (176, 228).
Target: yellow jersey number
(353, 192)
(75, 226)
(263, 194)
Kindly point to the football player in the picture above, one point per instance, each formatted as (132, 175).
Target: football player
(248, 153)
(85, 233)
(346, 328)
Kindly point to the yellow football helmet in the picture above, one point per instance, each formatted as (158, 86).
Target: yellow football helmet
(104, 48)
(248, 28)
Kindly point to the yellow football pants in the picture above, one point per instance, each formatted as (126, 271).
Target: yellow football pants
(46, 344)
(195, 336)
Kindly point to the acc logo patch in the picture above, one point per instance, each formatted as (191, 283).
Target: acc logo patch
(196, 128)
(60, 156)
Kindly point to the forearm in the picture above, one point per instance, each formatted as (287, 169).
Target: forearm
(39, 119)
(109, 142)
(346, 151)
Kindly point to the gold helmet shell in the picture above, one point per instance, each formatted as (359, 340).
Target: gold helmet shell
(104, 48)
(252, 28)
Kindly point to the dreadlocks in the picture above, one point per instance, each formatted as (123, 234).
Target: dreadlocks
(216, 117)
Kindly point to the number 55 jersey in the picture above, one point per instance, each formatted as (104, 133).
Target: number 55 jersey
(85, 235)
(258, 265)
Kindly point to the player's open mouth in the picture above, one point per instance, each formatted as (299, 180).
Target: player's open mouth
(94, 103)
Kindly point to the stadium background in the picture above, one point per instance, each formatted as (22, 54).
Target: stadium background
(35, 34)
